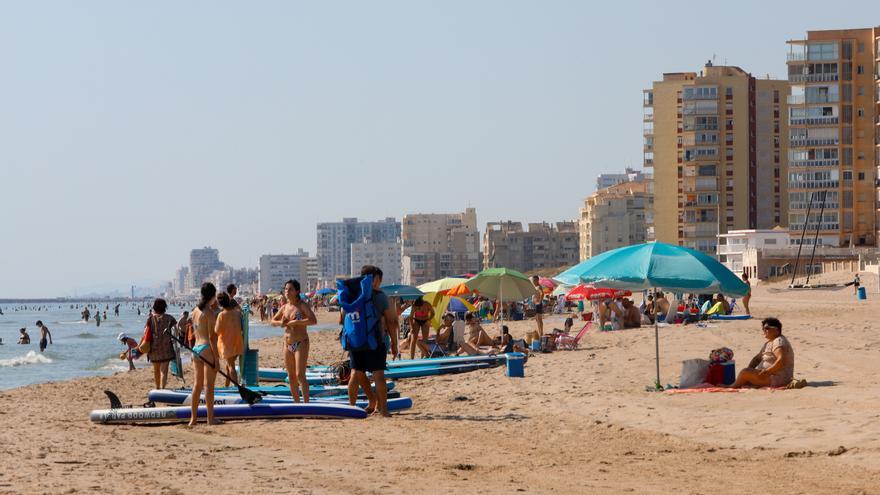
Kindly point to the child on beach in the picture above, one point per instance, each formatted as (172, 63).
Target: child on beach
(132, 352)
(230, 341)
(204, 321)
(295, 317)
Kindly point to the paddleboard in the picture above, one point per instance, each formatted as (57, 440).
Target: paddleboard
(417, 372)
(144, 415)
(314, 390)
(185, 399)
(405, 363)
(730, 317)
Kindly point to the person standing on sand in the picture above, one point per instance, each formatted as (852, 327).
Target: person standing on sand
(229, 335)
(161, 349)
(204, 319)
(295, 317)
(857, 282)
(748, 297)
(538, 300)
(44, 332)
(363, 362)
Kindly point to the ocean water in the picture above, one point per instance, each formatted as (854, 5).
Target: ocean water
(79, 348)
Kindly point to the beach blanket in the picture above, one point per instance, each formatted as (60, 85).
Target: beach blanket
(708, 387)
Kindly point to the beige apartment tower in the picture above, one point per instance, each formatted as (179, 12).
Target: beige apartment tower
(437, 245)
(616, 216)
(542, 246)
(717, 143)
(834, 118)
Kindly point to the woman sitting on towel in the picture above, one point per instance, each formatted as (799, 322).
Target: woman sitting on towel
(774, 365)
(476, 336)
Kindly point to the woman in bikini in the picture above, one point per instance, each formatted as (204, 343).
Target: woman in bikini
(204, 318)
(420, 317)
(295, 318)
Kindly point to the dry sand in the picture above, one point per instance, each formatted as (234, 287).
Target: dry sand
(580, 422)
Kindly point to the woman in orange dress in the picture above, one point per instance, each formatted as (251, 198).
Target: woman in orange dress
(230, 343)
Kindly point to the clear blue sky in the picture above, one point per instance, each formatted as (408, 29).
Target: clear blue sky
(131, 132)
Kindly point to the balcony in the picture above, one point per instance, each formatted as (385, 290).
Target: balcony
(804, 143)
(811, 227)
(648, 148)
(829, 162)
(731, 248)
(812, 77)
(813, 184)
(649, 162)
(814, 120)
(796, 99)
(648, 118)
(795, 56)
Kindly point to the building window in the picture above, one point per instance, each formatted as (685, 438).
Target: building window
(860, 69)
(728, 92)
(861, 176)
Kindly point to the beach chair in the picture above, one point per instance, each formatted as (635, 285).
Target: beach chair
(567, 342)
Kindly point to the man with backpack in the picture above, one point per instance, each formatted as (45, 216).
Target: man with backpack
(385, 329)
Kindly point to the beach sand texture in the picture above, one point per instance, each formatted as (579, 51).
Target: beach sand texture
(580, 422)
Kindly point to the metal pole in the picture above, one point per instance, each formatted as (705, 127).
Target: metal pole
(816, 237)
(657, 348)
(801, 245)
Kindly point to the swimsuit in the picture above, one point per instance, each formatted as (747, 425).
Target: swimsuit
(420, 317)
(539, 308)
(200, 348)
(43, 344)
(292, 348)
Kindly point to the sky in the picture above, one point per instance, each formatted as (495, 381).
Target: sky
(132, 132)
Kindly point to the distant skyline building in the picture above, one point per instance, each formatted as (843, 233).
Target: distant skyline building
(179, 282)
(334, 240)
(617, 216)
(629, 175)
(385, 255)
(716, 142)
(202, 262)
(542, 246)
(277, 269)
(835, 137)
(437, 245)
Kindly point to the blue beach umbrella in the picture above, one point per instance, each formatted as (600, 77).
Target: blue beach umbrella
(325, 291)
(656, 265)
(404, 292)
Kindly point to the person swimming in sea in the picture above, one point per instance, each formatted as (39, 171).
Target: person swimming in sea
(25, 338)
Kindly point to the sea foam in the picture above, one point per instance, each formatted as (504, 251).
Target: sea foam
(32, 357)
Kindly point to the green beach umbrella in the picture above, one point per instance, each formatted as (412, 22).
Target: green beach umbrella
(502, 283)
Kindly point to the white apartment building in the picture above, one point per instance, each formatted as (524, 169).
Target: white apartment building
(276, 269)
(335, 240)
(202, 263)
(733, 245)
(385, 255)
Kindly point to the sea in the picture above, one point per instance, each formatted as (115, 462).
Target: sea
(79, 348)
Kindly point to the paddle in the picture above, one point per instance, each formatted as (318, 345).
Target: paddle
(247, 395)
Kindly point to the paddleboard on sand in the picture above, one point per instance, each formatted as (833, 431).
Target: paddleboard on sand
(730, 317)
(143, 415)
(314, 390)
(184, 399)
(417, 372)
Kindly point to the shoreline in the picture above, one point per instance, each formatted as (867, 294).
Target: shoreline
(579, 422)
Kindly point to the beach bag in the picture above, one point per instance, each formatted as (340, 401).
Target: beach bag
(360, 328)
(693, 372)
(144, 346)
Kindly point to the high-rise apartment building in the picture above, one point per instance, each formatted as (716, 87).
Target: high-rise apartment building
(385, 255)
(276, 269)
(507, 245)
(437, 245)
(179, 282)
(834, 115)
(716, 141)
(202, 263)
(616, 216)
(335, 240)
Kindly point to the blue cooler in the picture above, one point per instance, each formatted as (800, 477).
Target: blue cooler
(536, 345)
(515, 365)
(251, 358)
(863, 294)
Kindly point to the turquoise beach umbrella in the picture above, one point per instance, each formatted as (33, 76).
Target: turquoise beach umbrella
(656, 265)
(404, 292)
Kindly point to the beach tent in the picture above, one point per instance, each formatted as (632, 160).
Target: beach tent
(441, 303)
(656, 265)
(441, 285)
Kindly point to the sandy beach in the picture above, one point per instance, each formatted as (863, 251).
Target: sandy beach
(580, 422)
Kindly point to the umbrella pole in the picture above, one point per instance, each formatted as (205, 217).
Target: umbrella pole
(657, 349)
